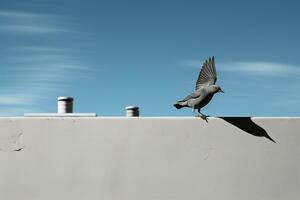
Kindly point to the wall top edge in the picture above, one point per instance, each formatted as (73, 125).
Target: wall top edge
(60, 114)
(139, 118)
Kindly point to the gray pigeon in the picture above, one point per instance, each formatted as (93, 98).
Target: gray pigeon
(205, 89)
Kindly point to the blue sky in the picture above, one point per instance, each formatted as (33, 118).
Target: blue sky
(111, 54)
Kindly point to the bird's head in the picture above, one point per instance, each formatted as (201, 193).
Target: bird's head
(217, 89)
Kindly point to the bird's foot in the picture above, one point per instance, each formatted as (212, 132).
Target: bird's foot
(204, 117)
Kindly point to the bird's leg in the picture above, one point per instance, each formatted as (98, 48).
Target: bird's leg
(196, 115)
(194, 111)
(204, 117)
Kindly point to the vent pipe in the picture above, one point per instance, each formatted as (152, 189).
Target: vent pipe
(132, 111)
(64, 105)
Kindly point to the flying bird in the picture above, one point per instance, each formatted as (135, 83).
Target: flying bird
(205, 89)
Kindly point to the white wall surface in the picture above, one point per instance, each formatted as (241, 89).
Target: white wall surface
(82, 158)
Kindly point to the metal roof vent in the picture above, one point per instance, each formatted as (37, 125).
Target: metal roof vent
(132, 111)
(64, 105)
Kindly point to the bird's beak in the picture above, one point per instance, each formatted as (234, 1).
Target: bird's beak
(221, 91)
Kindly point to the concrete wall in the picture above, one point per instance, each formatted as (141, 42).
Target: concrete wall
(82, 158)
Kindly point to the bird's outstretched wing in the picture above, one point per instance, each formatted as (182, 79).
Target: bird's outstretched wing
(208, 74)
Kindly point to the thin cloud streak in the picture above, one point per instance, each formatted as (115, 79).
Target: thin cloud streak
(35, 29)
(17, 99)
(38, 49)
(258, 68)
(261, 68)
(31, 23)
(42, 57)
(22, 15)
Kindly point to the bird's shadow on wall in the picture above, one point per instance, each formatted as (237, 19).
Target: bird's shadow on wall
(246, 124)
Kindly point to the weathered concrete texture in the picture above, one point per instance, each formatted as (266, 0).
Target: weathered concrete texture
(149, 158)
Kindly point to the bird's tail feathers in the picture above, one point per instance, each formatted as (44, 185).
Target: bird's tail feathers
(177, 105)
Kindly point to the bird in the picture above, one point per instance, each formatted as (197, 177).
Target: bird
(205, 89)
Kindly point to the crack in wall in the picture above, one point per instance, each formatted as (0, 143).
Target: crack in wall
(12, 143)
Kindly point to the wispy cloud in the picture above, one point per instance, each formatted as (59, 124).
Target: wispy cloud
(30, 23)
(192, 63)
(39, 49)
(257, 68)
(17, 99)
(41, 57)
(32, 29)
(261, 68)
(22, 15)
